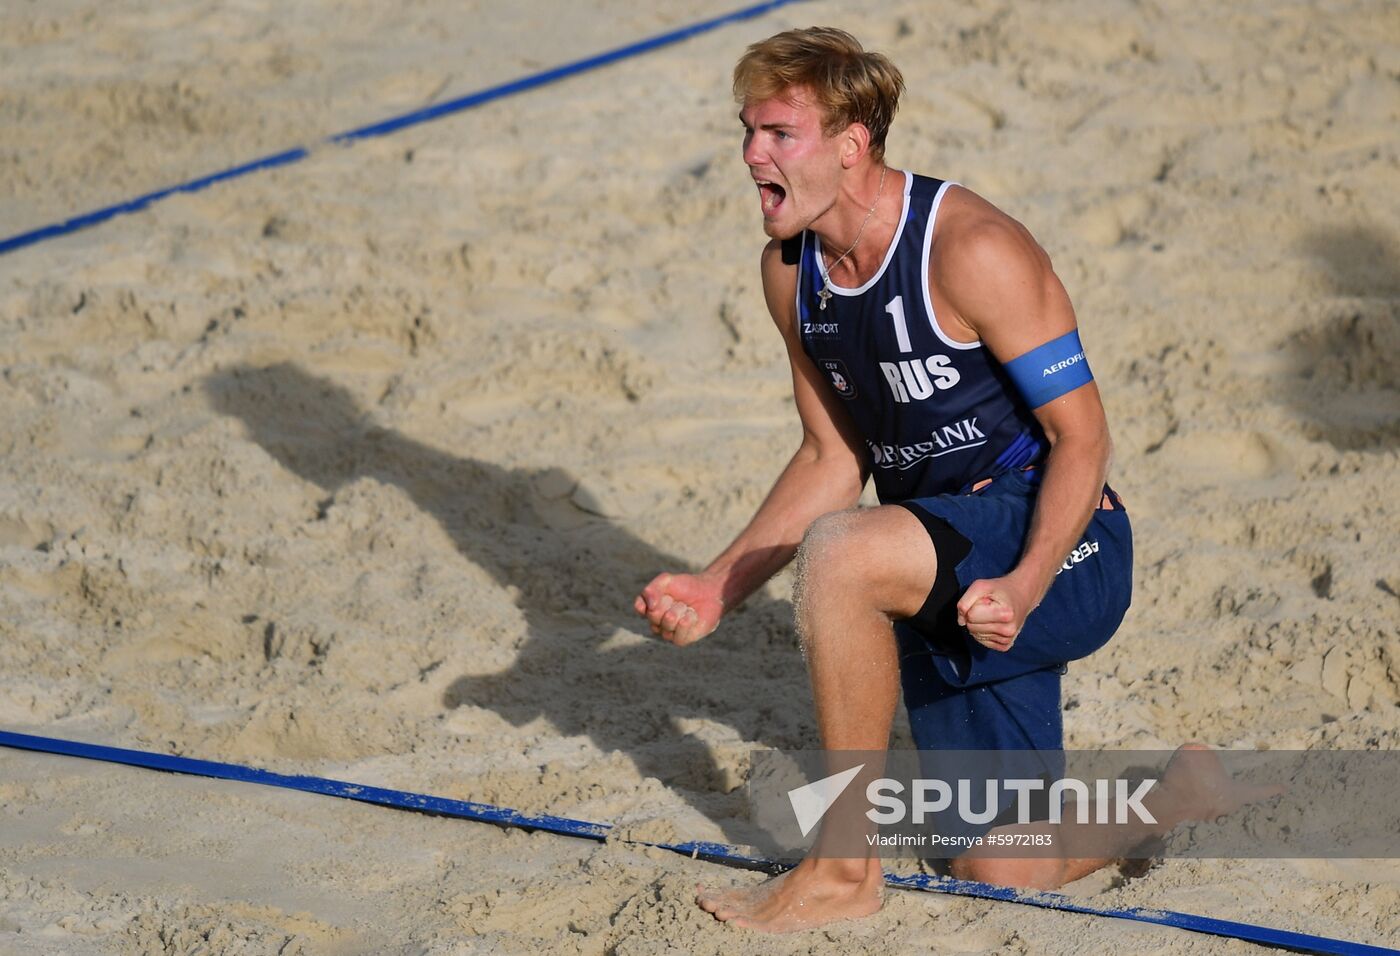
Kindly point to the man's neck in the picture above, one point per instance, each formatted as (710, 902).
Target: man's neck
(863, 201)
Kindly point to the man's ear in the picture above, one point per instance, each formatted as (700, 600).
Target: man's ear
(855, 143)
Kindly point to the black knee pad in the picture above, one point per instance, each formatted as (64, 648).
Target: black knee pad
(939, 611)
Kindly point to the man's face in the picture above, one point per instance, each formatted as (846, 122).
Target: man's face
(796, 165)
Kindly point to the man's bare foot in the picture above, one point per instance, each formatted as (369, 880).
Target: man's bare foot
(813, 893)
(1198, 787)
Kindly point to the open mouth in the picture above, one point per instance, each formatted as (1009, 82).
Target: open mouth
(771, 195)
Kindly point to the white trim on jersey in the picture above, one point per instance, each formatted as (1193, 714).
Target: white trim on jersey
(797, 295)
(928, 297)
(889, 254)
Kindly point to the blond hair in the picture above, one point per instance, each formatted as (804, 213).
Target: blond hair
(849, 84)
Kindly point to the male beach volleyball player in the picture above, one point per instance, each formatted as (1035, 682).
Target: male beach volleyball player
(932, 346)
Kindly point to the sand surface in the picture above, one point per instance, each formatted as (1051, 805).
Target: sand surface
(353, 467)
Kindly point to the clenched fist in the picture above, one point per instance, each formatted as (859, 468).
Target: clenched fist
(682, 608)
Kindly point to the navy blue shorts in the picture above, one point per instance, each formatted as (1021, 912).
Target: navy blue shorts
(963, 696)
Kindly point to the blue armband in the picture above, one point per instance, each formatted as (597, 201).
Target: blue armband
(1048, 371)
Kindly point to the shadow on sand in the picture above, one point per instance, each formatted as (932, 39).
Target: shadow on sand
(1346, 380)
(575, 587)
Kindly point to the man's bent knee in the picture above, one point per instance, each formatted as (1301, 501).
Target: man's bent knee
(878, 555)
(814, 566)
(822, 536)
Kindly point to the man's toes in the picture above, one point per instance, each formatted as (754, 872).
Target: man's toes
(711, 900)
(727, 914)
(718, 908)
(726, 904)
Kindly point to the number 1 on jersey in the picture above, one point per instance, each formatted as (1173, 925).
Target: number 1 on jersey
(901, 328)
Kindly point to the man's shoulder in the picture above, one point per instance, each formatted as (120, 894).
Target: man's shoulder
(781, 253)
(987, 266)
(780, 278)
(974, 237)
(964, 216)
(779, 260)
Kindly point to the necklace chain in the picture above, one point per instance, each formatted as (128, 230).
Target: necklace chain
(825, 292)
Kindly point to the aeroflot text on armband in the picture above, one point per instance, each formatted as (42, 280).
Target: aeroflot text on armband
(1074, 359)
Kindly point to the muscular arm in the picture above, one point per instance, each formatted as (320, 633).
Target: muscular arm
(1002, 288)
(825, 474)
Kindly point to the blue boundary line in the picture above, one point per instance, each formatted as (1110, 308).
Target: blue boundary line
(712, 852)
(393, 124)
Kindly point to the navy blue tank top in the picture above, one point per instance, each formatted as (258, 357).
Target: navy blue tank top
(936, 414)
